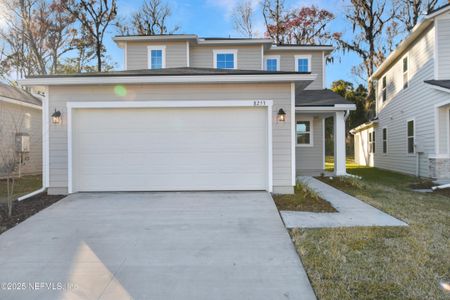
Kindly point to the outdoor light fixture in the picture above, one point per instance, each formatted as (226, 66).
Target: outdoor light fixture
(56, 117)
(281, 117)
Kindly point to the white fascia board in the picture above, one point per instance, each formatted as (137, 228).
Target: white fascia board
(169, 104)
(437, 13)
(183, 37)
(302, 48)
(167, 79)
(21, 103)
(439, 88)
(336, 107)
(234, 42)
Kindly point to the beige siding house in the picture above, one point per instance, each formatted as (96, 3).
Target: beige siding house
(20, 130)
(192, 113)
(411, 132)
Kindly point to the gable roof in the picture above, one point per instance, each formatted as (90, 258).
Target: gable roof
(445, 84)
(11, 93)
(415, 33)
(326, 97)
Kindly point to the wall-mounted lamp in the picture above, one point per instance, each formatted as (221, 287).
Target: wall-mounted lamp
(281, 116)
(56, 117)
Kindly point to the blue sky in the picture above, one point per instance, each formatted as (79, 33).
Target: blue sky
(212, 18)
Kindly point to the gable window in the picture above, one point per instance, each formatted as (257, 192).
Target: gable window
(405, 72)
(410, 135)
(384, 140)
(304, 132)
(303, 63)
(272, 63)
(225, 59)
(383, 89)
(156, 57)
(372, 142)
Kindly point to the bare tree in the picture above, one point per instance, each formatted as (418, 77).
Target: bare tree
(243, 18)
(274, 15)
(95, 17)
(369, 19)
(409, 12)
(150, 19)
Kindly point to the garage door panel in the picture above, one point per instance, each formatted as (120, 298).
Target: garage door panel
(169, 149)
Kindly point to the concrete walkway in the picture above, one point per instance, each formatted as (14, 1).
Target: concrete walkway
(197, 245)
(351, 211)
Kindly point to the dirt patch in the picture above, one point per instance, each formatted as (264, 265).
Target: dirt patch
(422, 184)
(443, 192)
(25, 209)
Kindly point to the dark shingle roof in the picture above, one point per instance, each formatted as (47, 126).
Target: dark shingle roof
(441, 83)
(14, 93)
(318, 98)
(170, 72)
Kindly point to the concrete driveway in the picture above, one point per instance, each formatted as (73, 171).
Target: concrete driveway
(205, 245)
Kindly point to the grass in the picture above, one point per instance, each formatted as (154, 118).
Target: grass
(23, 185)
(381, 263)
(304, 199)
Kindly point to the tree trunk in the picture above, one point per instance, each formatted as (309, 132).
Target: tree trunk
(99, 57)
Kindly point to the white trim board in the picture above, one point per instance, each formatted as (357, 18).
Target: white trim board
(163, 53)
(171, 79)
(170, 104)
(226, 51)
(18, 102)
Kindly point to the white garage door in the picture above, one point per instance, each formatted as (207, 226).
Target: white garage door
(166, 149)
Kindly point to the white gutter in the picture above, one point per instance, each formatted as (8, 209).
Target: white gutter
(21, 103)
(98, 80)
(303, 48)
(336, 107)
(41, 190)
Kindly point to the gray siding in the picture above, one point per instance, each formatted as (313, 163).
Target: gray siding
(137, 54)
(416, 102)
(279, 93)
(287, 63)
(248, 57)
(311, 158)
(13, 120)
(443, 35)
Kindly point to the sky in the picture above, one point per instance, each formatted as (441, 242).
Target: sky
(213, 18)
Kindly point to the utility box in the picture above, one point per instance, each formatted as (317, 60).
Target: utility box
(22, 142)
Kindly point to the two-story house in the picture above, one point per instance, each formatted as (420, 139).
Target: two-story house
(411, 131)
(191, 113)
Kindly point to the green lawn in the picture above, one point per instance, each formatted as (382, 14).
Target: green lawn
(382, 263)
(23, 185)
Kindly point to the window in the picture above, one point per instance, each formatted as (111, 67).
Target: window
(372, 142)
(383, 89)
(303, 63)
(304, 133)
(384, 140)
(225, 59)
(410, 133)
(157, 57)
(405, 72)
(272, 63)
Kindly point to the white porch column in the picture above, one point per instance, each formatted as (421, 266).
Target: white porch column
(339, 144)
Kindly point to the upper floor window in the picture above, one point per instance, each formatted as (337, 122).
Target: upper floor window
(272, 63)
(411, 135)
(383, 89)
(385, 140)
(225, 59)
(303, 130)
(156, 57)
(303, 63)
(405, 72)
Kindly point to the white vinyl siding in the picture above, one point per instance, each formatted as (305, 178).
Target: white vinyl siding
(279, 93)
(443, 35)
(138, 58)
(311, 158)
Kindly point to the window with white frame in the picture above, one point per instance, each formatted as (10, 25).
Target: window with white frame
(385, 140)
(405, 72)
(304, 132)
(272, 63)
(156, 57)
(225, 59)
(372, 142)
(303, 63)
(410, 135)
(383, 89)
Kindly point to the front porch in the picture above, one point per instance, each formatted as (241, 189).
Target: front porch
(315, 111)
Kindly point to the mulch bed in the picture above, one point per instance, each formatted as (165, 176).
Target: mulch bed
(25, 209)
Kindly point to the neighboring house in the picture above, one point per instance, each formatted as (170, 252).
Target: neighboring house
(411, 131)
(191, 113)
(21, 121)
